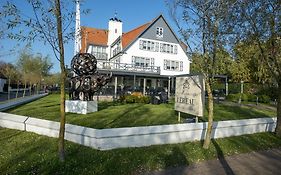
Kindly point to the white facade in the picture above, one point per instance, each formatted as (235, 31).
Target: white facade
(114, 30)
(163, 54)
(159, 57)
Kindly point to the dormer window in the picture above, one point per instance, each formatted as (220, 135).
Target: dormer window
(159, 32)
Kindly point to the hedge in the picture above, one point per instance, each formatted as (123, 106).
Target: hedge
(248, 97)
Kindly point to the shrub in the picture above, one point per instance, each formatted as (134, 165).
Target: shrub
(264, 99)
(232, 97)
(137, 94)
(143, 99)
(134, 98)
(235, 97)
(252, 97)
(130, 99)
(248, 97)
(244, 97)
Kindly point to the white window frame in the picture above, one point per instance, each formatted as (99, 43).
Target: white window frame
(159, 32)
(138, 61)
(173, 65)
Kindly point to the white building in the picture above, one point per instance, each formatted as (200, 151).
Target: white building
(148, 56)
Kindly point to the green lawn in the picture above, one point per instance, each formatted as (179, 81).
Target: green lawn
(113, 114)
(29, 153)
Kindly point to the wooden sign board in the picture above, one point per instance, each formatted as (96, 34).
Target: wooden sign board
(190, 95)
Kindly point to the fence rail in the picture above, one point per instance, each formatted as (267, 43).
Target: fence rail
(106, 65)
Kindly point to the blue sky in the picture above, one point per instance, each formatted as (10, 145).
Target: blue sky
(133, 13)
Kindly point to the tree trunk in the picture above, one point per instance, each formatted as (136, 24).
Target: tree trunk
(278, 126)
(63, 78)
(17, 89)
(207, 140)
(29, 88)
(23, 95)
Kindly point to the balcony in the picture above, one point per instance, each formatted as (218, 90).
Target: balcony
(106, 65)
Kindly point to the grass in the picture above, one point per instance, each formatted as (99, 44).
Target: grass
(29, 153)
(113, 114)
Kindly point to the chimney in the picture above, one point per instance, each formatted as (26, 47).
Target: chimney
(114, 29)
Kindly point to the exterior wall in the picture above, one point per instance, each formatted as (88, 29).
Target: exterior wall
(113, 26)
(168, 36)
(159, 57)
(106, 139)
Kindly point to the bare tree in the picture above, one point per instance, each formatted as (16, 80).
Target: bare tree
(50, 22)
(201, 23)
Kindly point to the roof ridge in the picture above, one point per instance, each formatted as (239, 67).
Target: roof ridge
(93, 28)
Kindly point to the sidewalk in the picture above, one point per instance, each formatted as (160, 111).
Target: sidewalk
(20, 101)
(255, 163)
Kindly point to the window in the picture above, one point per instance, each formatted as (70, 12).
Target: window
(176, 49)
(181, 66)
(142, 61)
(148, 45)
(168, 48)
(141, 44)
(152, 61)
(90, 49)
(173, 65)
(116, 49)
(168, 65)
(159, 32)
(156, 47)
(98, 51)
(144, 45)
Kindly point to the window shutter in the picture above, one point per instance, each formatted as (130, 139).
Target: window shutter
(176, 49)
(141, 45)
(181, 66)
(161, 47)
(156, 46)
(165, 64)
(152, 61)
(133, 60)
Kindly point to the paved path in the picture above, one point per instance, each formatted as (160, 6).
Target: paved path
(255, 163)
(20, 101)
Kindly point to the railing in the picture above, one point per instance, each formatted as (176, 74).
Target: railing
(106, 65)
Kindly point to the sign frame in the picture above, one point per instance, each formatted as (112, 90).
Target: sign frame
(190, 94)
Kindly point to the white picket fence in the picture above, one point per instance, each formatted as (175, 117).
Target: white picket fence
(106, 139)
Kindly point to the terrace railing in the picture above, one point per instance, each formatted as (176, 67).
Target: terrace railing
(107, 65)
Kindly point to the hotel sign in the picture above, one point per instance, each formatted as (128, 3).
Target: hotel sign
(190, 95)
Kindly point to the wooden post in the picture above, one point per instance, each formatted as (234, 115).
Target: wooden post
(144, 86)
(134, 82)
(115, 87)
(226, 87)
(169, 87)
